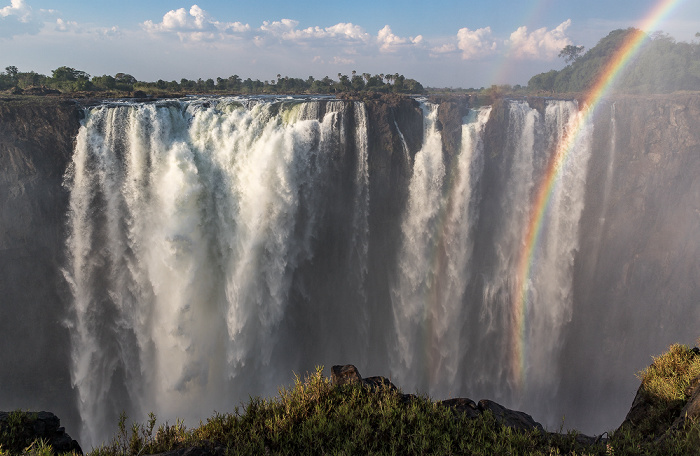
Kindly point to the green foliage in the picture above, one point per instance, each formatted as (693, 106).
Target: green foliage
(570, 52)
(661, 66)
(67, 79)
(313, 417)
(15, 435)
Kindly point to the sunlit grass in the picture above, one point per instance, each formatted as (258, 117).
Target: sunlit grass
(315, 417)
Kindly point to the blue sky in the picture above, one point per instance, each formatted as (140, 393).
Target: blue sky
(442, 43)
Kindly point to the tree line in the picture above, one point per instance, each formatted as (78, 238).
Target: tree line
(662, 65)
(66, 79)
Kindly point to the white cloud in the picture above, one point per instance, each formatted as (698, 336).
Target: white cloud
(66, 26)
(447, 48)
(194, 25)
(540, 44)
(341, 32)
(18, 19)
(19, 9)
(388, 42)
(475, 43)
(279, 28)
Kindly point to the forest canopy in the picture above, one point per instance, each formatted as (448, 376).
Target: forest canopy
(662, 65)
(66, 79)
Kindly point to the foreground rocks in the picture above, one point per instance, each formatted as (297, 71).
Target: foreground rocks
(348, 374)
(27, 427)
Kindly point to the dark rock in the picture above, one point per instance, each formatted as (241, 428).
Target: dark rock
(450, 116)
(345, 375)
(638, 411)
(40, 90)
(511, 418)
(463, 405)
(348, 374)
(379, 384)
(39, 426)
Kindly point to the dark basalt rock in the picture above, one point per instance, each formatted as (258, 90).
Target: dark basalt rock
(511, 418)
(39, 426)
(463, 405)
(348, 374)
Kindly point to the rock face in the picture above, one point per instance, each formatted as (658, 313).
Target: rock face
(348, 374)
(38, 426)
(640, 268)
(36, 144)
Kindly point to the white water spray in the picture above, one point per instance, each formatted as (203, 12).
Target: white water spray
(187, 224)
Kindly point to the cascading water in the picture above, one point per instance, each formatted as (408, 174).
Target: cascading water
(187, 225)
(528, 380)
(218, 245)
(433, 263)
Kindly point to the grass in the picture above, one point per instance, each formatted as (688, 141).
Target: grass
(315, 417)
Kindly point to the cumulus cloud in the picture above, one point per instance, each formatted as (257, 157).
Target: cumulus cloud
(66, 26)
(18, 9)
(475, 43)
(447, 48)
(18, 18)
(541, 44)
(341, 32)
(194, 25)
(388, 42)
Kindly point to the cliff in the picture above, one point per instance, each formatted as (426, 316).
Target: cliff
(36, 144)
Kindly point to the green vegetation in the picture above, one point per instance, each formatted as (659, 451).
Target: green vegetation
(14, 437)
(665, 388)
(69, 80)
(315, 417)
(662, 65)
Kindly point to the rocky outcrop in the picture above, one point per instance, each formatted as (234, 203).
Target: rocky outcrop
(677, 413)
(20, 429)
(348, 375)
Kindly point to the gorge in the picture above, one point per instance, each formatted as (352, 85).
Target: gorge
(178, 256)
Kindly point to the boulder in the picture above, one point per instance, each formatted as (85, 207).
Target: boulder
(462, 405)
(36, 426)
(345, 375)
(348, 374)
(511, 418)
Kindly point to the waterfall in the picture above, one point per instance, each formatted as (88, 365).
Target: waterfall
(532, 137)
(433, 263)
(188, 222)
(218, 245)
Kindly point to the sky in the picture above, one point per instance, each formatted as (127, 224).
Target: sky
(441, 43)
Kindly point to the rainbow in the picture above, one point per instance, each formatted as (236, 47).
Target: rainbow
(590, 102)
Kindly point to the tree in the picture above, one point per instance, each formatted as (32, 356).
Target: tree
(12, 71)
(571, 52)
(125, 78)
(65, 73)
